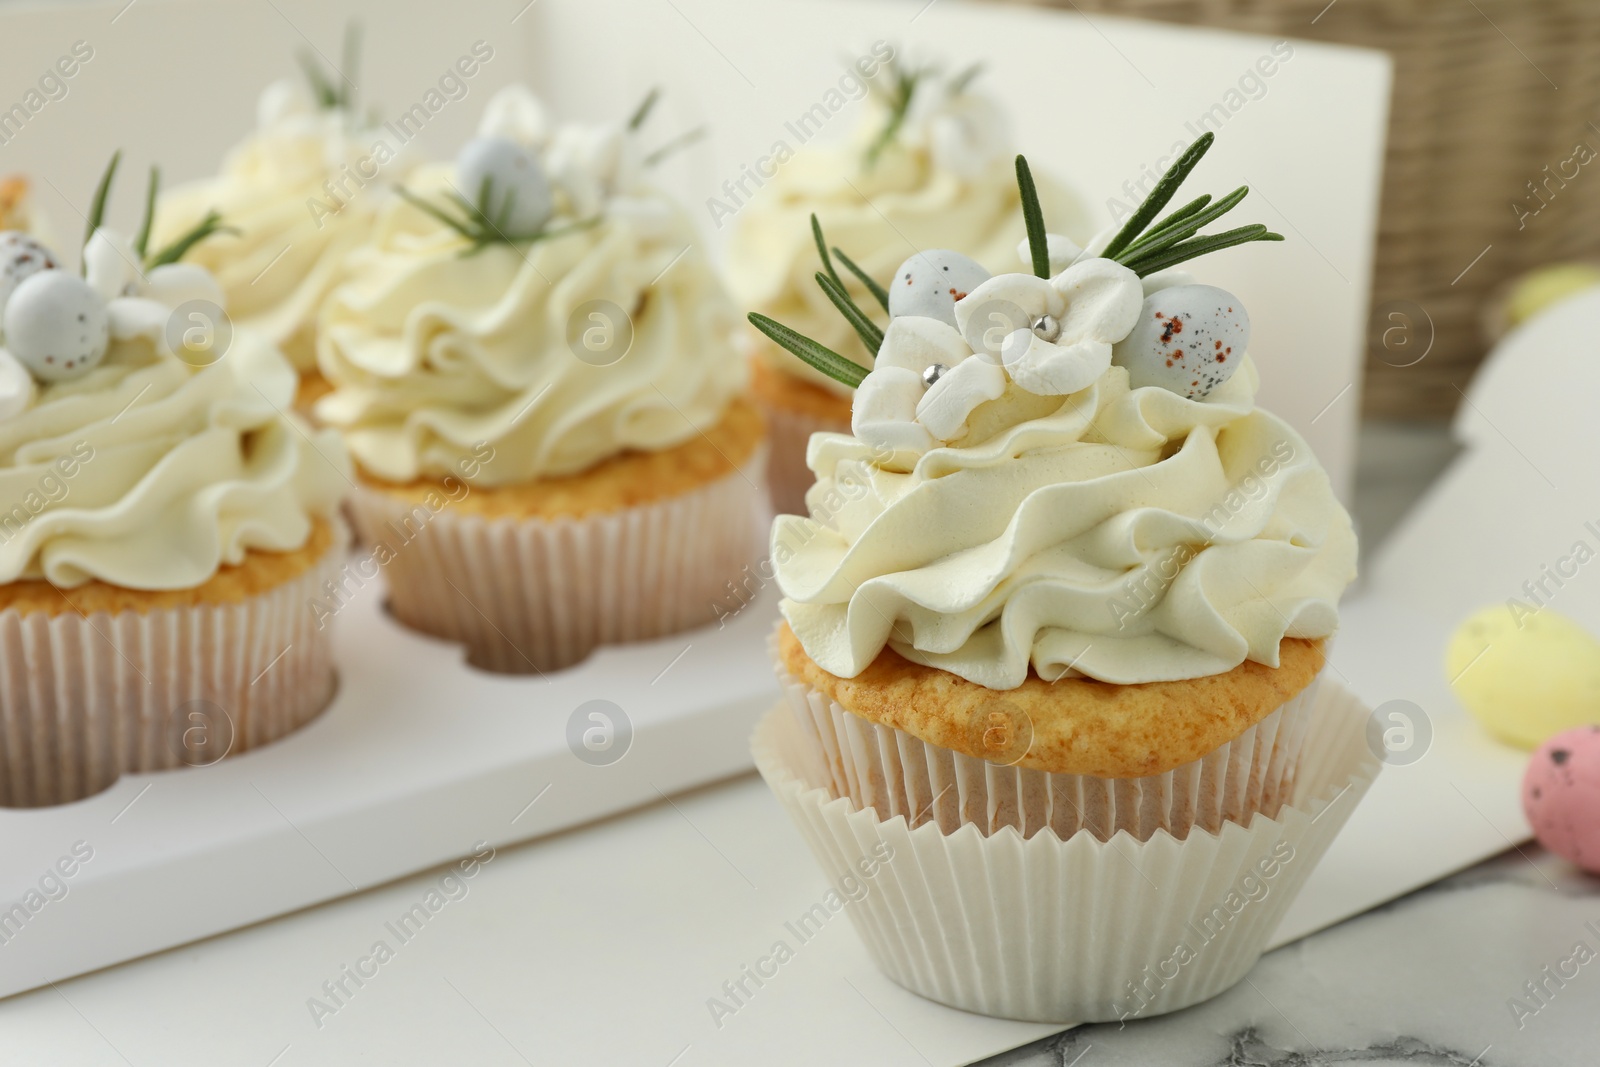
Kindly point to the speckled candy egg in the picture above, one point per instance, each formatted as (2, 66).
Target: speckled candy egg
(1561, 796)
(929, 283)
(1189, 339)
(56, 325)
(511, 170)
(21, 256)
(1525, 674)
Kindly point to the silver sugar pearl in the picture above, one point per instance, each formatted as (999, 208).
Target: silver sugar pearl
(1046, 327)
(934, 372)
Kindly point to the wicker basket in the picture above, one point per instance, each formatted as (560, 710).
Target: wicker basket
(1476, 118)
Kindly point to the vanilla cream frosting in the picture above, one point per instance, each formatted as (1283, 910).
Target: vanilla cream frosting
(435, 353)
(1127, 535)
(302, 191)
(148, 472)
(947, 181)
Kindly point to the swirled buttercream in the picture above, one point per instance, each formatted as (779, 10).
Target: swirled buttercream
(149, 473)
(1127, 535)
(301, 192)
(920, 193)
(613, 335)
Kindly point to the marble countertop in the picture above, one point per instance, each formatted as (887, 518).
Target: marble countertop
(1498, 966)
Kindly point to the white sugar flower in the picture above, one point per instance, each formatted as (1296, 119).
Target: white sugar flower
(283, 101)
(1053, 337)
(517, 115)
(885, 409)
(924, 385)
(139, 303)
(594, 163)
(884, 413)
(957, 392)
(965, 132)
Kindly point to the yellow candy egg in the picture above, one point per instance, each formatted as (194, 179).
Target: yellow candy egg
(1547, 286)
(1525, 675)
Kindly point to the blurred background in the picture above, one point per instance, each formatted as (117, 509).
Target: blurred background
(1492, 123)
(1487, 211)
(1488, 214)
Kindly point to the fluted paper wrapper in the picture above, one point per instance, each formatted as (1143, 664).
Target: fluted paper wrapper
(1076, 930)
(895, 773)
(86, 699)
(532, 595)
(788, 477)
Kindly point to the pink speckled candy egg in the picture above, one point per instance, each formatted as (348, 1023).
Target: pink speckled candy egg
(1561, 796)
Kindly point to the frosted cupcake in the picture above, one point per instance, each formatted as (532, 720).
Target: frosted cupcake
(166, 523)
(929, 166)
(299, 194)
(535, 371)
(1064, 591)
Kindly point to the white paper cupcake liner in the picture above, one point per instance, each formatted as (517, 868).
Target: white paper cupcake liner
(532, 595)
(85, 699)
(788, 477)
(1075, 930)
(895, 773)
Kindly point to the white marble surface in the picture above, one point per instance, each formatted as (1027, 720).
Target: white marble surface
(1427, 981)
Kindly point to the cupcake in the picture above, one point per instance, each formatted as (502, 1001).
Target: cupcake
(534, 369)
(929, 166)
(300, 193)
(1063, 592)
(166, 525)
(16, 205)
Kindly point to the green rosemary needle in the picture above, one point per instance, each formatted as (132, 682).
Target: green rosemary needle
(879, 293)
(1164, 191)
(1033, 218)
(97, 208)
(809, 352)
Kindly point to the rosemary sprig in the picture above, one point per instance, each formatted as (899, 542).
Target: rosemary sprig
(208, 226)
(1164, 191)
(879, 293)
(1200, 246)
(1177, 238)
(899, 100)
(809, 352)
(141, 242)
(822, 250)
(1184, 212)
(819, 356)
(642, 112)
(683, 140)
(959, 83)
(97, 209)
(1033, 218)
(480, 228)
(325, 92)
(865, 328)
(641, 115)
(833, 288)
(1184, 228)
(337, 93)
